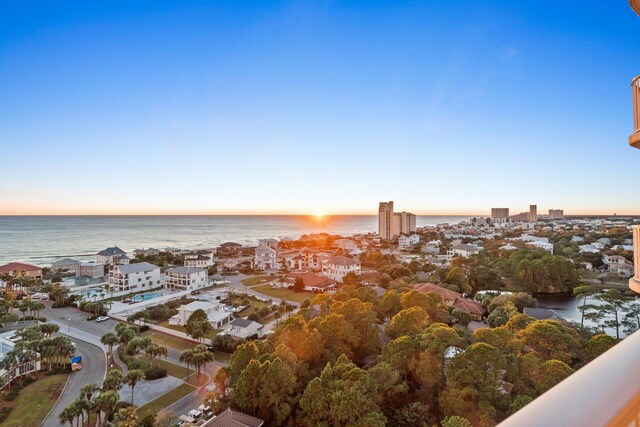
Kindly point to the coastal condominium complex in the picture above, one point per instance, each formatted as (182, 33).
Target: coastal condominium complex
(392, 224)
(556, 214)
(533, 213)
(385, 220)
(499, 213)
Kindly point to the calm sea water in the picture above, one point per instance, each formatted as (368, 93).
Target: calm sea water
(43, 239)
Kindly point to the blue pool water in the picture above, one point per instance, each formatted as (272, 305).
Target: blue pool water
(146, 297)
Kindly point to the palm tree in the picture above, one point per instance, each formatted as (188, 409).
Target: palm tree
(49, 329)
(86, 393)
(106, 402)
(132, 379)
(67, 416)
(110, 339)
(186, 357)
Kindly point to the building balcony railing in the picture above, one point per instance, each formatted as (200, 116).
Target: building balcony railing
(606, 392)
(634, 139)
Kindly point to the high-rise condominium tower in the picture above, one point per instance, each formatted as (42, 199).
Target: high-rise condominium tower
(499, 213)
(556, 214)
(385, 220)
(392, 224)
(533, 213)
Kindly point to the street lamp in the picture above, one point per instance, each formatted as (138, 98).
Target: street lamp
(69, 324)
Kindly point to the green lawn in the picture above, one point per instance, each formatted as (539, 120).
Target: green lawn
(258, 280)
(35, 401)
(172, 342)
(172, 369)
(285, 294)
(221, 356)
(165, 400)
(255, 305)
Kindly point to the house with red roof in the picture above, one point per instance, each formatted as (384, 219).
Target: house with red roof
(21, 269)
(455, 300)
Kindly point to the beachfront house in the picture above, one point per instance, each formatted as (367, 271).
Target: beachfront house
(92, 270)
(312, 282)
(339, 266)
(21, 269)
(216, 314)
(200, 259)
(134, 277)
(65, 265)
(265, 258)
(185, 278)
(112, 256)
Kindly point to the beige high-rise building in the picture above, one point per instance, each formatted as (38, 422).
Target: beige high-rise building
(556, 214)
(533, 213)
(385, 220)
(499, 213)
(392, 224)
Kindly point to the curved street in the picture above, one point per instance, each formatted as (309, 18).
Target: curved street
(94, 365)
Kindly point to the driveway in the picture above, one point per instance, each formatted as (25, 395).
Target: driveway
(94, 366)
(196, 398)
(146, 391)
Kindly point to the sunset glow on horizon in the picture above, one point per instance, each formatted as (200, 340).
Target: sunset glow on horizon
(325, 109)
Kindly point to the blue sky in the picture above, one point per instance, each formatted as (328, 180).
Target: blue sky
(200, 107)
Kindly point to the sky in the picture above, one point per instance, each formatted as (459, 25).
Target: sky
(214, 107)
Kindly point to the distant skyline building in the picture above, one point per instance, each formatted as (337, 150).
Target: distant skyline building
(392, 224)
(499, 213)
(556, 214)
(385, 220)
(533, 213)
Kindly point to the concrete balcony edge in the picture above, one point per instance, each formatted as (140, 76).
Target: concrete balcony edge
(634, 138)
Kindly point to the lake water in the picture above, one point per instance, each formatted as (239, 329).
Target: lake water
(43, 239)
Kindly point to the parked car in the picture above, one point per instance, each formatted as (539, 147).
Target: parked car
(195, 414)
(102, 319)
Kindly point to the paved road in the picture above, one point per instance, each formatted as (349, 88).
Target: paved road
(93, 371)
(196, 398)
(235, 283)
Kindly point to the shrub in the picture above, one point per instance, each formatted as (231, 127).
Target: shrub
(155, 372)
(144, 328)
(4, 414)
(254, 316)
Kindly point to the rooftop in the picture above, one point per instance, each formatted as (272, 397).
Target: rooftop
(18, 266)
(136, 268)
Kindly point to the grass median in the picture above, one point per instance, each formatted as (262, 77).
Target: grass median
(283, 293)
(165, 400)
(35, 401)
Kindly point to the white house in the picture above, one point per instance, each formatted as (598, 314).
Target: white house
(198, 261)
(339, 266)
(90, 269)
(463, 250)
(243, 329)
(134, 277)
(589, 248)
(508, 247)
(619, 265)
(406, 242)
(542, 245)
(265, 257)
(272, 243)
(146, 252)
(216, 314)
(112, 256)
(185, 278)
(66, 265)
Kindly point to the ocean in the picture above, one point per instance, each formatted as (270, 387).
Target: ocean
(41, 240)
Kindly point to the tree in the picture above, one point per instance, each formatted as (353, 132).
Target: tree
(407, 322)
(343, 394)
(113, 380)
(126, 417)
(462, 317)
(456, 421)
(132, 378)
(298, 284)
(186, 357)
(105, 403)
(109, 339)
(549, 339)
(67, 415)
(583, 292)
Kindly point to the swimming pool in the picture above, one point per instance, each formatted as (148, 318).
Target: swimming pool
(146, 297)
(90, 294)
